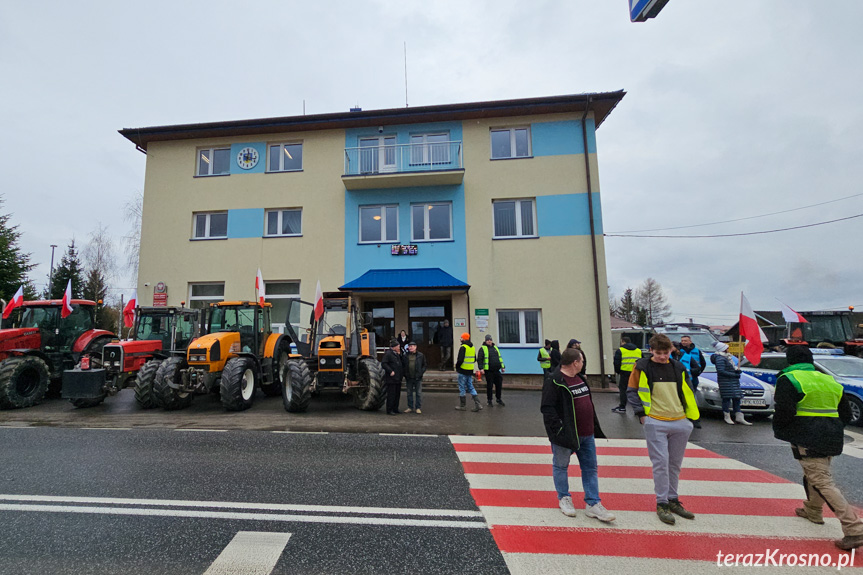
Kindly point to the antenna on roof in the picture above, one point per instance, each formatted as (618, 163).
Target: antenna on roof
(406, 73)
(304, 107)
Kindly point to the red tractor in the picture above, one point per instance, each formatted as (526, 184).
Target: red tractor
(158, 333)
(37, 345)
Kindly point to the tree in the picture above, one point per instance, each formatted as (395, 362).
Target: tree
(651, 299)
(99, 260)
(627, 309)
(14, 264)
(134, 211)
(70, 267)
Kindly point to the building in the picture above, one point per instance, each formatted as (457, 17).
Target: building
(479, 213)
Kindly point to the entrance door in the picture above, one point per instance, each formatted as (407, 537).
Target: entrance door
(378, 155)
(383, 321)
(425, 319)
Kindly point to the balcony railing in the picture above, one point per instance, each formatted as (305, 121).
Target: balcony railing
(403, 158)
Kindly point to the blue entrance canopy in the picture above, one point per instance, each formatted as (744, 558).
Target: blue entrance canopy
(422, 279)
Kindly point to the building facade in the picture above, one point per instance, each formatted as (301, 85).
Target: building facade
(486, 214)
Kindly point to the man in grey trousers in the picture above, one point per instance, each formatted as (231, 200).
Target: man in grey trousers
(660, 393)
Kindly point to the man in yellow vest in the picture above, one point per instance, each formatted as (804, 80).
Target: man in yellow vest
(811, 412)
(465, 366)
(624, 360)
(489, 361)
(544, 357)
(662, 397)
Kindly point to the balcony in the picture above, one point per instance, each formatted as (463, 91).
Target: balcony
(401, 165)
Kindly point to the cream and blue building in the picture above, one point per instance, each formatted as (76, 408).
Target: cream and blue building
(487, 214)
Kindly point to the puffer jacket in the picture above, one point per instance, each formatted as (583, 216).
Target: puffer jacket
(727, 376)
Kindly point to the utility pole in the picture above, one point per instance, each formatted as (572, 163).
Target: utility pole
(51, 273)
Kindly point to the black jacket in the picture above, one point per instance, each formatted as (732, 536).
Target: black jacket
(821, 436)
(392, 363)
(558, 412)
(618, 357)
(493, 357)
(698, 367)
(460, 358)
(419, 365)
(554, 355)
(443, 337)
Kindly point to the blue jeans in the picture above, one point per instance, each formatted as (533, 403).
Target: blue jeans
(586, 455)
(730, 404)
(465, 385)
(415, 389)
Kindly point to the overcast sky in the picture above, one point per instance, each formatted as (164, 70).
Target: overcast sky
(733, 109)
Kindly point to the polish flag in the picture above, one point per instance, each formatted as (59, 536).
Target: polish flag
(16, 301)
(319, 302)
(129, 310)
(66, 302)
(259, 287)
(750, 330)
(790, 315)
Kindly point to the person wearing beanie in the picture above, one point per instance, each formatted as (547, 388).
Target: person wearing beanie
(572, 427)
(393, 373)
(728, 378)
(544, 357)
(414, 365)
(490, 363)
(465, 366)
(812, 410)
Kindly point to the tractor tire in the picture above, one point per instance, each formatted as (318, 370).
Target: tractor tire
(372, 395)
(279, 361)
(168, 397)
(239, 381)
(856, 410)
(23, 381)
(145, 381)
(296, 386)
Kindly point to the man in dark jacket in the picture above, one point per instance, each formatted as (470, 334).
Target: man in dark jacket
(811, 412)
(554, 354)
(444, 339)
(571, 425)
(694, 362)
(490, 364)
(393, 373)
(624, 360)
(414, 364)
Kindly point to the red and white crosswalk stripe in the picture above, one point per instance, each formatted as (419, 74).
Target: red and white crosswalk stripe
(739, 509)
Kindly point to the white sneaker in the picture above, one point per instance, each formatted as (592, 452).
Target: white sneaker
(419, 411)
(599, 512)
(738, 418)
(566, 506)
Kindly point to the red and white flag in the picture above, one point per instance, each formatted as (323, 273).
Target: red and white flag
(66, 302)
(319, 302)
(790, 315)
(750, 330)
(16, 301)
(129, 310)
(259, 287)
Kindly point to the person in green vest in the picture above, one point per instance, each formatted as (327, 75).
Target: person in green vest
(812, 410)
(624, 360)
(544, 357)
(490, 363)
(465, 366)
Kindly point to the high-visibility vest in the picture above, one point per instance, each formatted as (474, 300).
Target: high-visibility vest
(469, 358)
(822, 392)
(689, 358)
(545, 362)
(486, 352)
(628, 357)
(690, 407)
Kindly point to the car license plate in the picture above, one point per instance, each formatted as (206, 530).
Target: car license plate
(750, 402)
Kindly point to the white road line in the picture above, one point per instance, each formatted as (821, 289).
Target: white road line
(203, 430)
(109, 428)
(409, 434)
(304, 432)
(510, 440)
(246, 516)
(617, 460)
(244, 505)
(250, 553)
(739, 489)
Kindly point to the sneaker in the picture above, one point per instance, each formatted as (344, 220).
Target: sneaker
(566, 506)
(501, 403)
(408, 410)
(676, 507)
(419, 411)
(849, 542)
(664, 514)
(599, 512)
(801, 512)
(618, 410)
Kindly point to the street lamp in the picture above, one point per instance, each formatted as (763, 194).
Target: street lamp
(51, 273)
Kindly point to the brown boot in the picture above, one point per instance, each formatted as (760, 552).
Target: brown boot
(849, 542)
(801, 512)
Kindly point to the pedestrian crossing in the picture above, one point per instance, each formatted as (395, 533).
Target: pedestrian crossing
(739, 509)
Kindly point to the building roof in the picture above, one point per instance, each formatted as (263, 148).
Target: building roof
(424, 279)
(617, 323)
(601, 103)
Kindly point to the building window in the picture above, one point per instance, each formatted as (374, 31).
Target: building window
(284, 222)
(510, 143)
(211, 226)
(203, 294)
(514, 218)
(214, 161)
(519, 327)
(429, 149)
(431, 222)
(377, 154)
(280, 294)
(379, 224)
(285, 158)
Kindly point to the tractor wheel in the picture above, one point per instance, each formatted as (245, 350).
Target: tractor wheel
(856, 410)
(372, 395)
(168, 397)
(239, 380)
(23, 381)
(296, 385)
(145, 393)
(279, 361)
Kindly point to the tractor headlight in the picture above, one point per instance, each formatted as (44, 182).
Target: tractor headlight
(323, 361)
(338, 361)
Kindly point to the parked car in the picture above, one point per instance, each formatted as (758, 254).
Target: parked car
(846, 369)
(757, 395)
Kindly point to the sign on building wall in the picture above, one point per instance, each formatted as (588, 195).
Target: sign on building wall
(481, 318)
(160, 295)
(405, 250)
(459, 322)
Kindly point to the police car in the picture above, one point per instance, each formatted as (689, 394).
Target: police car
(846, 369)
